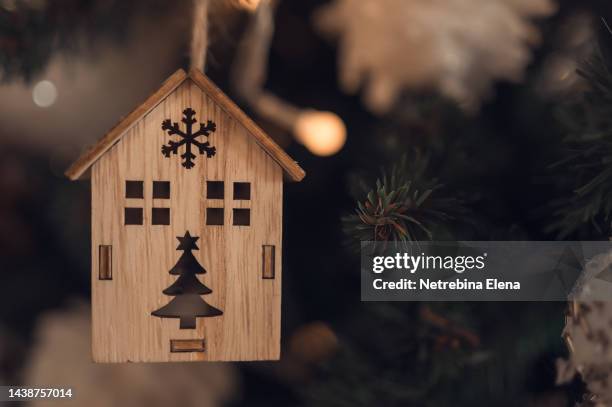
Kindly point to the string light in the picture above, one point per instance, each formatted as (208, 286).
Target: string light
(44, 93)
(322, 133)
(250, 5)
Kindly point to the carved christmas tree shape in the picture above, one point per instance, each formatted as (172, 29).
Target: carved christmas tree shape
(187, 303)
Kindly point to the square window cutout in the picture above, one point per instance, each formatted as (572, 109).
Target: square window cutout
(215, 189)
(242, 190)
(160, 216)
(242, 217)
(161, 189)
(133, 216)
(134, 189)
(214, 216)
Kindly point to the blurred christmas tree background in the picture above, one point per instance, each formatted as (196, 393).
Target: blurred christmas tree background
(496, 111)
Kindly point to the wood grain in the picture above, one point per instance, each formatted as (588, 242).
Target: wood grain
(105, 262)
(187, 345)
(123, 328)
(82, 164)
(268, 261)
(294, 171)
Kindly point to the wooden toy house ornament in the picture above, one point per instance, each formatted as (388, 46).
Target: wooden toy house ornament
(186, 230)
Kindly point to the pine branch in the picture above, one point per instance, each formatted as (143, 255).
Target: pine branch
(403, 206)
(585, 171)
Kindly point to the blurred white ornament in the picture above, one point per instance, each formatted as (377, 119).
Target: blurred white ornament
(322, 133)
(9, 5)
(62, 358)
(44, 93)
(456, 46)
(588, 333)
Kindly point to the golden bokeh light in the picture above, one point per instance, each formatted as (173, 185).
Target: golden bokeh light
(250, 5)
(322, 133)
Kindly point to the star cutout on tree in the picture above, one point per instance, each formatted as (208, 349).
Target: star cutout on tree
(188, 138)
(187, 242)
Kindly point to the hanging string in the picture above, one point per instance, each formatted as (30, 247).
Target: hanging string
(323, 133)
(251, 65)
(199, 34)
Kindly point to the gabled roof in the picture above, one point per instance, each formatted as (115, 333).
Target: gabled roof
(87, 159)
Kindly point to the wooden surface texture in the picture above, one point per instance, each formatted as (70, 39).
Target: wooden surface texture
(123, 327)
(85, 161)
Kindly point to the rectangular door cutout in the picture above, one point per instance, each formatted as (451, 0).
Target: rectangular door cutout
(105, 262)
(268, 262)
(186, 345)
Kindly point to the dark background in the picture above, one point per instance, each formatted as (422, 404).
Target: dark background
(105, 57)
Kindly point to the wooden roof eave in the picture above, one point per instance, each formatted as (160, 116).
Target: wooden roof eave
(292, 170)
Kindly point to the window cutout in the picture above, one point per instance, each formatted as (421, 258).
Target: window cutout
(214, 189)
(268, 261)
(105, 262)
(160, 216)
(242, 190)
(161, 190)
(214, 216)
(134, 189)
(242, 217)
(133, 216)
(186, 345)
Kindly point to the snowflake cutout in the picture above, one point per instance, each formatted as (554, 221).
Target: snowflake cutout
(188, 138)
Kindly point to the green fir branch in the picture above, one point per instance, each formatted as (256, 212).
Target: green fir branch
(585, 171)
(403, 206)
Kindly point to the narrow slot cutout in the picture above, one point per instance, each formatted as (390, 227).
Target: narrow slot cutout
(186, 345)
(268, 261)
(105, 262)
